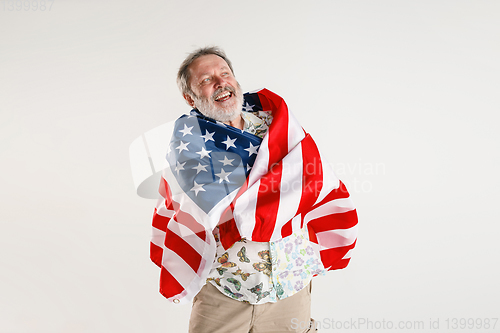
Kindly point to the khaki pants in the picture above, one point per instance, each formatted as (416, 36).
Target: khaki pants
(214, 312)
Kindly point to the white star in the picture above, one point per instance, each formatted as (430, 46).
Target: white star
(186, 130)
(208, 136)
(248, 167)
(168, 150)
(197, 188)
(229, 142)
(200, 167)
(203, 152)
(183, 146)
(179, 167)
(252, 149)
(248, 107)
(223, 175)
(226, 161)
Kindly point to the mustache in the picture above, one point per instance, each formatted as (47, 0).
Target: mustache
(221, 90)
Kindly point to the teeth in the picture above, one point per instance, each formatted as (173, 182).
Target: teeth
(223, 95)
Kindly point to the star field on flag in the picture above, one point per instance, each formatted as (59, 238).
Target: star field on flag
(214, 161)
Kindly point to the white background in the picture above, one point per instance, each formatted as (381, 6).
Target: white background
(402, 97)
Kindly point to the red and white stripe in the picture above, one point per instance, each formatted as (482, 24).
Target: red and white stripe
(289, 186)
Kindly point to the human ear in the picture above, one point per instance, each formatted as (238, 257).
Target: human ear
(188, 99)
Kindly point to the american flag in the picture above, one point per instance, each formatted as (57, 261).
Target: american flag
(260, 189)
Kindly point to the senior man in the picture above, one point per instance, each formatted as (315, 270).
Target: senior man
(249, 211)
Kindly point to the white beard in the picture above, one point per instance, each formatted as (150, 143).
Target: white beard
(209, 108)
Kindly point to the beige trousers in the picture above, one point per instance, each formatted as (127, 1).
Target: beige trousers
(214, 312)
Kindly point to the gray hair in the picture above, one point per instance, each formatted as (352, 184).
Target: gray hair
(183, 74)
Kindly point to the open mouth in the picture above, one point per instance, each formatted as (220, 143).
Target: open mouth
(224, 96)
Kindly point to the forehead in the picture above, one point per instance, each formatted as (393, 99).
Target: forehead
(207, 64)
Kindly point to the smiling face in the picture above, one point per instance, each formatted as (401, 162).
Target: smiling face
(217, 94)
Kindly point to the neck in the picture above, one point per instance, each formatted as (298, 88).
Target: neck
(237, 122)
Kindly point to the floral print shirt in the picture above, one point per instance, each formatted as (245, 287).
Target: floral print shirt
(294, 263)
(258, 272)
(261, 272)
(257, 123)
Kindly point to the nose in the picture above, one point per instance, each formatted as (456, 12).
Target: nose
(219, 81)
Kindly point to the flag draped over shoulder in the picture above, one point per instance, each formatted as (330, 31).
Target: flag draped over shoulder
(260, 189)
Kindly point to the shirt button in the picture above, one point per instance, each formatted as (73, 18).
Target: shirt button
(176, 301)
